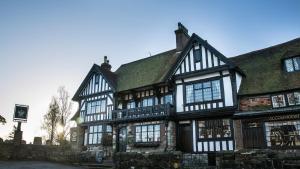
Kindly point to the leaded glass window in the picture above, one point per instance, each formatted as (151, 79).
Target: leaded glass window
(197, 55)
(220, 128)
(206, 91)
(97, 106)
(278, 101)
(293, 98)
(292, 64)
(147, 133)
(147, 102)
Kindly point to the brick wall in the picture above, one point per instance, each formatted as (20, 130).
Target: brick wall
(254, 103)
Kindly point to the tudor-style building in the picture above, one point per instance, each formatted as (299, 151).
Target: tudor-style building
(192, 99)
(269, 98)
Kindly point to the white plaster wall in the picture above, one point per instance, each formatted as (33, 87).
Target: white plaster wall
(179, 98)
(227, 91)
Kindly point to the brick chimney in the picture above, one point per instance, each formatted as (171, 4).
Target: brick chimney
(105, 64)
(182, 36)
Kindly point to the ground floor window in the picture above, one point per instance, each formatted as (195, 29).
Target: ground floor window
(147, 133)
(96, 133)
(283, 133)
(215, 135)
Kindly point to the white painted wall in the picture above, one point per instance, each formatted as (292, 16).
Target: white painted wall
(194, 136)
(179, 98)
(238, 81)
(202, 77)
(227, 91)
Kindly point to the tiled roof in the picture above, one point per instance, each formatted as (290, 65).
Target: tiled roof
(264, 69)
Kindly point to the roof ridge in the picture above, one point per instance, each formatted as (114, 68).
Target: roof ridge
(267, 48)
(146, 58)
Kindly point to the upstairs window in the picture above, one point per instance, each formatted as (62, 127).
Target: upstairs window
(197, 55)
(167, 99)
(130, 105)
(293, 98)
(202, 92)
(286, 99)
(292, 64)
(97, 106)
(278, 101)
(147, 102)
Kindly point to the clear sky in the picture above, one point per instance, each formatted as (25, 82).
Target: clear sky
(46, 44)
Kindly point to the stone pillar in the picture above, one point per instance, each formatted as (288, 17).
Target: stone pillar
(114, 139)
(130, 138)
(18, 135)
(80, 137)
(238, 134)
(171, 132)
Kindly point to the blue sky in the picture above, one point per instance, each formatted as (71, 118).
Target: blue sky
(46, 44)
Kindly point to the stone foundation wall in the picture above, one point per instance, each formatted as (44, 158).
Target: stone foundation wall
(167, 160)
(37, 152)
(262, 159)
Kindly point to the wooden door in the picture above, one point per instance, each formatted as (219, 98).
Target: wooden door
(185, 136)
(253, 135)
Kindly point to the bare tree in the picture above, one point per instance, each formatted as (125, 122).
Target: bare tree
(51, 119)
(65, 106)
(2, 120)
(12, 133)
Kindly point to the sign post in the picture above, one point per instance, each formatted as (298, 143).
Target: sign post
(20, 116)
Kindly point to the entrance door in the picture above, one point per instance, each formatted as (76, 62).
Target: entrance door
(185, 136)
(253, 135)
(122, 139)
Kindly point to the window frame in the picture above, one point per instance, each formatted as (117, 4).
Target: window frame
(286, 99)
(147, 132)
(210, 80)
(293, 64)
(103, 131)
(215, 138)
(196, 60)
(95, 101)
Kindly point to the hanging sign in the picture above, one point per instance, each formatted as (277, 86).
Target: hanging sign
(21, 113)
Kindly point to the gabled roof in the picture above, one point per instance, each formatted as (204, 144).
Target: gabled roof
(145, 72)
(195, 38)
(108, 75)
(265, 71)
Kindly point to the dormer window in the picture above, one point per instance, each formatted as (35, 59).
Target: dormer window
(292, 64)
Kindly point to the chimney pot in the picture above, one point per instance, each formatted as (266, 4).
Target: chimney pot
(105, 64)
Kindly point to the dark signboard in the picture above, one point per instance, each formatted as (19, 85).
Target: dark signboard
(21, 113)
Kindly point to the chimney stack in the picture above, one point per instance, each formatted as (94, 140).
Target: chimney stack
(182, 36)
(105, 64)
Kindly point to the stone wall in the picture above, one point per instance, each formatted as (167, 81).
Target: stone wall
(255, 103)
(37, 152)
(262, 159)
(163, 160)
